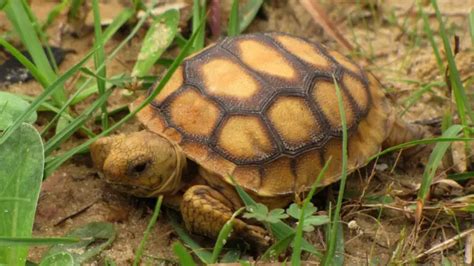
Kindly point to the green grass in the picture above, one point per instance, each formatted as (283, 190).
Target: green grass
(154, 217)
(335, 227)
(99, 58)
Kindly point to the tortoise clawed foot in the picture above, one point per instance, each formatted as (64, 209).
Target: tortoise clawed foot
(205, 211)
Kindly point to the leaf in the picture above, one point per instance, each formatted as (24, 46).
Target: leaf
(11, 106)
(276, 215)
(280, 230)
(21, 173)
(95, 237)
(58, 259)
(158, 38)
(261, 213)
(295, 210)
(311, 222)
(257, 211)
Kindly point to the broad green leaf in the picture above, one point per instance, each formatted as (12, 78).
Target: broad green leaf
(58, 259)
(21, 173)
(11, 106)
(95, 237)
(158, 38)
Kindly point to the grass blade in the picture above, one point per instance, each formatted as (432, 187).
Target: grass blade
(296, 255)
(233, 28)
(38, 75)
(43, 96)
(183, 255)
(17, 13)
(460, 97)
(204, 255)
(199, 17)
(76, 123)
(329, 256)
(152, 222)
(278, 247)
(471, 25)
(35, 241)
(99, 58)
(433, 163)
(418, 142)
(429, 33)
(224, 233)
(248, 12)
(115, 25)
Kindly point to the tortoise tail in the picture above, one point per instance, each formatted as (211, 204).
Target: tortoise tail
(402, 132)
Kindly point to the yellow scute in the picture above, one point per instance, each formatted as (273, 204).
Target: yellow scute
(172, 85)
(303, 50)
(278, 177)
(293, 119)
(324, 93)
(223, 77)
(265, 58)
(344, 61)
(194, 113)
(357, 90)
(307, 170)
(245, 137)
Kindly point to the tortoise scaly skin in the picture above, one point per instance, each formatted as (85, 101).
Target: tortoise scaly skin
(261, 108)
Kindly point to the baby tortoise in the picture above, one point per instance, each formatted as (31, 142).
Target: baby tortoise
(260, 107)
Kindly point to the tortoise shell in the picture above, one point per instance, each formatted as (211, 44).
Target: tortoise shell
(263, 108)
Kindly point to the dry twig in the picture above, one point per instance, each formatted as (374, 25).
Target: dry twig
(319, 15)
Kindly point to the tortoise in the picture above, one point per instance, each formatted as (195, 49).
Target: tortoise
(261, 108)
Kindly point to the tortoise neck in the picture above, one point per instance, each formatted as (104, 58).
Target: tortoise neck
(173, 182)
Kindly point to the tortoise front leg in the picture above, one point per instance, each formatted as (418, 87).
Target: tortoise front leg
(205, 210)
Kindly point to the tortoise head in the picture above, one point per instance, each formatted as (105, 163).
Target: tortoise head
(143, 163)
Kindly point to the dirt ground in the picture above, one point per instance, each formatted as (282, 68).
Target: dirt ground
(389, 41)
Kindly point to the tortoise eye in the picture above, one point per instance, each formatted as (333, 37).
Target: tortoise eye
(139, 168)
